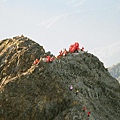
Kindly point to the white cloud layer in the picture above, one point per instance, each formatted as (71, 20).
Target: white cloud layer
(76, 3)
(109, 54)
(48, 23)
(51, 21)
(3, 0)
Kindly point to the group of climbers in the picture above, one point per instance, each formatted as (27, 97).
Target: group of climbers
(72, 49)
(62, 53)
(75, 48)
(49, 59)
(76, 91)
(46, 59)
(84, 108)
(88, 113)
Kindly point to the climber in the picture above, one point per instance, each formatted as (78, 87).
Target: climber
(84, 109)
(74, 48)
(77, 45)
(82, 49)
(60, 54)
(76, 91)
(36, 62)
(51, 59)
(48, 58)
(88, 114)
(43, 59)
(65, 52)
(71, 87)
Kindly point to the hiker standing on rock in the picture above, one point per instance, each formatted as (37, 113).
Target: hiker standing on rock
(65, 52)
(88, 114)
(84, 109)
(71, 87)
(36, 62)
(76, 91)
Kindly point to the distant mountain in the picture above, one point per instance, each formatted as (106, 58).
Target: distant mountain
(109, 55)
(115, 71)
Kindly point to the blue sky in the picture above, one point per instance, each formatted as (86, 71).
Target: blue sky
(56, 24)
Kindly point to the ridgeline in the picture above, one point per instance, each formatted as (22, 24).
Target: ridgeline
(41, 92)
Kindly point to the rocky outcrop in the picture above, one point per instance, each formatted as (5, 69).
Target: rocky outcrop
(17, 55)
(41, 92)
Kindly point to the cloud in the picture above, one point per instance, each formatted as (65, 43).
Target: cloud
(48, 23)
(113, 6)
(75, 3)
(118, 7)
(70, 2)
(52, 21)
(107, 52)
(81, 2)
(3, 0)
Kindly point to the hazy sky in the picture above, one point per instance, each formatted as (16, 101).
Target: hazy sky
(56, 24)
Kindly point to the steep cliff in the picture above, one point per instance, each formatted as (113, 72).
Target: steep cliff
(41, 92)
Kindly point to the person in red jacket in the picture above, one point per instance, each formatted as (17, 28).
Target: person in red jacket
(84, 109)
(72, 48)
(36, 62)
(65, 52)
(82, 49)
(75, 47)
(88, 114)
(52, 58)
(60, 54)
(48, 58)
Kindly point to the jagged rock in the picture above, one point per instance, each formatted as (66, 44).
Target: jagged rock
(41, 92)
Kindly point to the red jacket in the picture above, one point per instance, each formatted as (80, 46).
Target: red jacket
(36, 61)
(74, 47)
(84, 108)
(52, 58)
(82, 49)
(88, 114)
(61, 53)
(48, 58)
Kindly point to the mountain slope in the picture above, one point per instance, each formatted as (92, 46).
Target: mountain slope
(41, 92)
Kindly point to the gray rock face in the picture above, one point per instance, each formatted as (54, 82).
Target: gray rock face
(41, 92)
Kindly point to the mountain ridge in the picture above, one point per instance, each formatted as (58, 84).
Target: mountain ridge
(41, 92)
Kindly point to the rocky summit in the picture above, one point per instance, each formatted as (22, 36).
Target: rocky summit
(42, 91)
